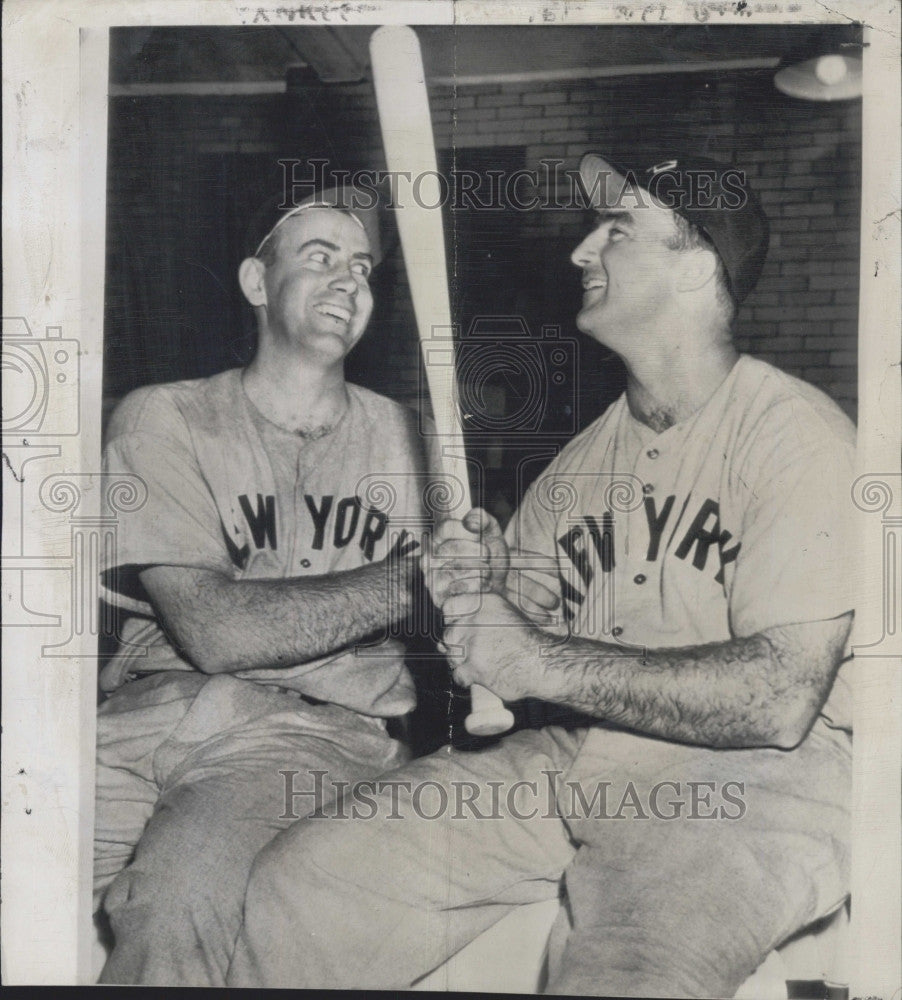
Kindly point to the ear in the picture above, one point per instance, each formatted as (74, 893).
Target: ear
(250, 278)
(697, 268)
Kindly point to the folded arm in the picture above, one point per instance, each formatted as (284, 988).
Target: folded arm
(223, 625)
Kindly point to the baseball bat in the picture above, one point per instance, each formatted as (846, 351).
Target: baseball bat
(404, 117)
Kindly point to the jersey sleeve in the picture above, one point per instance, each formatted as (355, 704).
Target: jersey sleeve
(178, 523)
(793, 564)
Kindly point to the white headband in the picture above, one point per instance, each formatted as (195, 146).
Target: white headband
(296, 211)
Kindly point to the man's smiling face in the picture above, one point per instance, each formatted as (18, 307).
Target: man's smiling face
(628, 269)
(317, 286)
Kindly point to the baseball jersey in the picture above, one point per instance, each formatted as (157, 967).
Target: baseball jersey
(732, 521)
(231, 492)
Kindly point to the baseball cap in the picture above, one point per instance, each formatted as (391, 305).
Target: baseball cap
(713, 196)
(362, 205)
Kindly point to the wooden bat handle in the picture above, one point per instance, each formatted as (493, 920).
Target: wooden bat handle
(404, 118)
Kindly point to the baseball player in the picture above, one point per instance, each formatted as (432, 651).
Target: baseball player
(694, 813)
(281, 510)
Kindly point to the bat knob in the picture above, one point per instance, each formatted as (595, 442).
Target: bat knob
(489, 723)
(489, 716)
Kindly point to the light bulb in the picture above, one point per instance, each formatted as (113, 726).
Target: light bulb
(830, 70)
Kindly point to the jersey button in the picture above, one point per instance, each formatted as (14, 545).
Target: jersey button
(648, 488)
(616, 630)
(639, 578)
(652, 453)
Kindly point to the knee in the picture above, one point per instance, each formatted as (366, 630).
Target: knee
(264, 879)
(173, 873)
(142, 894)
(288, 872)
(288, 859)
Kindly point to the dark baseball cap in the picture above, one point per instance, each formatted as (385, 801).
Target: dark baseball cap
(362, 205)
(713, 196)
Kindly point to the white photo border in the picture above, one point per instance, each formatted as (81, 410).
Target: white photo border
(55, 62)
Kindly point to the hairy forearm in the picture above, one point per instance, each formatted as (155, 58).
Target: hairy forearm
(224, 625)
(738, 693)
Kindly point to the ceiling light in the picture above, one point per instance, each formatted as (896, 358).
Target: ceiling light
(827, 78)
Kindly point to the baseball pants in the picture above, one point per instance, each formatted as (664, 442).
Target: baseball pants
(188, 791)
(662, 898)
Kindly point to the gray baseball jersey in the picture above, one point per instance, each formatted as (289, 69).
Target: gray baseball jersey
(228, 491)
(725, 524)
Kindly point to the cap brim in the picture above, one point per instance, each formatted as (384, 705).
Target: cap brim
(601, 181)
(610, 187)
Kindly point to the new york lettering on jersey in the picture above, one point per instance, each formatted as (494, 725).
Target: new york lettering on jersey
(590, 545)
(331, 523)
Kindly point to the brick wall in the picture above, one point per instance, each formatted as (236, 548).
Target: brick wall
(803, 159)
(185, 171)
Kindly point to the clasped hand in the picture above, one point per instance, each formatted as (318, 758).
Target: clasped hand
(488, 637)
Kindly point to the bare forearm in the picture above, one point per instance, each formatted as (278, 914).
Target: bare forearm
(699, 695)
(223, 625)
(739, 693)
